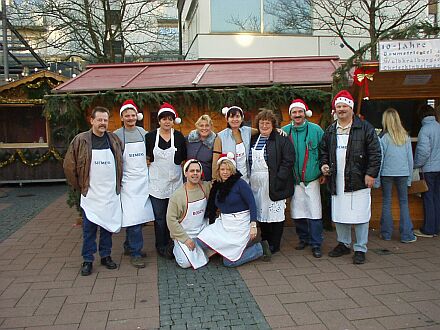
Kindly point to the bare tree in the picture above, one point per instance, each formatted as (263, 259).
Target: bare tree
(102, 30)
(377, 19)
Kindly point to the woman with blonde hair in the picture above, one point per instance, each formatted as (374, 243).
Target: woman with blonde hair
(397, 166)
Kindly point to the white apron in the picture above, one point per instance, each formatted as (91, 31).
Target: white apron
(306, 201)
(102, 205)
(241, 161)
(267, 210)
(228, 235)
(165, 176)
(348, 207)
(193, 223)
(136, 206)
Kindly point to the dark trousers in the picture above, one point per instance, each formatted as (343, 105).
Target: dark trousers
(272, 232)
(309, 231)
(161, 231)
(134, 240)
(89, 240)
(431, 204)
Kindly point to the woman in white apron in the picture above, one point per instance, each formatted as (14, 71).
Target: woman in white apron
(270, 152)
(231, 233)
(236, 139)
(186, 216)
(166, 151)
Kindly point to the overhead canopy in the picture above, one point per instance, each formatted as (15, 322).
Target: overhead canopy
(301, 71)
(409, 84)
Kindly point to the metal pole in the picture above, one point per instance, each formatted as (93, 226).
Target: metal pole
(5, 41)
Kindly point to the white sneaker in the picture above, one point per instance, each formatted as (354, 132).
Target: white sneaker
(418, 233)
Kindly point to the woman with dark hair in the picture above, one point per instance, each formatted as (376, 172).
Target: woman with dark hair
(235, 138)
(397, 167)
(231, 233)
(271, 159)
(166, 150)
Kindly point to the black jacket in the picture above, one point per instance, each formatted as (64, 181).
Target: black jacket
(363, 155)
(280, 160)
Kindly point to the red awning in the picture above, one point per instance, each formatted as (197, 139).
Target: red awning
(300, 71)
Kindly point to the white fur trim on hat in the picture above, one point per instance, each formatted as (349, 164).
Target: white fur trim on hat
(344, 100)
(129, 104)
(177, 119)
(191, 161)
(225, 110)
(229, 156)
(300, 105)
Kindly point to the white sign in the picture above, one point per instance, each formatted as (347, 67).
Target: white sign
(419, 54)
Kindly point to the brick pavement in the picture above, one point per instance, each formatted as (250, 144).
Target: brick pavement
(40, 286)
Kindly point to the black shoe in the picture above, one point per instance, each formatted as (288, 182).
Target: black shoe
(128, 253)
(359, 258)
(267, 255)
(86, 268)
(108, 263)
(316, 251)
(301, 245)
(339, 251)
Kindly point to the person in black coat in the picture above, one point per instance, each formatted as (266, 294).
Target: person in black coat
(271, 159)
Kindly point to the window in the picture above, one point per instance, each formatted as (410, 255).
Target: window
(261, 16)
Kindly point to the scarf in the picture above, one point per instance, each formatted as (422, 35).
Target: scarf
(194, 136)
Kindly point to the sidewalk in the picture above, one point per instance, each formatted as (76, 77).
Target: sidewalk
(40, 286)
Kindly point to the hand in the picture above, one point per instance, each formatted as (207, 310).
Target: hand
(369, 181)
(190, 244)
(325, 169)
(253, 233)
(322, 179)
(281, 132)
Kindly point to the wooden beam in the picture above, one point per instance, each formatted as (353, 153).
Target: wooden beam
(201, 73)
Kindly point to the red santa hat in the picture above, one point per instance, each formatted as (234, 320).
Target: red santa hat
(225, 110)
(191, 161)
(298, 103)
(345, 97)
(129, 104)
(166, 107)
(229, 156)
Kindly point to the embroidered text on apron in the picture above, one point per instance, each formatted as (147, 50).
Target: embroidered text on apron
(136, 206)
(240, 159)
(228, 235)
(102, 205)
(165, 176)
(193, 223)
(306, 201)
(348, 207)
(267, 210)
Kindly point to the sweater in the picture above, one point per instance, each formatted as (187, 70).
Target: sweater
(396, 160)
(309, 135)
(427, 155)
(240, 198)
(177, 208)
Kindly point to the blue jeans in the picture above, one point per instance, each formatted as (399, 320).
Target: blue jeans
(89, 240)
(431, 204)
(361, 230)
(386, 220)
(134, 240)
(251, 253)
(161, 231)
(309, 231)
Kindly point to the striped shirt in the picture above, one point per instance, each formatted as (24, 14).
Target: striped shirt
(261, 143)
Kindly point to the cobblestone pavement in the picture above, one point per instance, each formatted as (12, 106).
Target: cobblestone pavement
(20, 204)
(40, 285)
(213, 297)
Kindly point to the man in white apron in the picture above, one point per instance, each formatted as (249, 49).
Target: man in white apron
(351, 157)
(93, 166)
(305, 205)
(136, 206)
(186, 216)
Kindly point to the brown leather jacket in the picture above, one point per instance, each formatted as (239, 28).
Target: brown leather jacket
(79, 156)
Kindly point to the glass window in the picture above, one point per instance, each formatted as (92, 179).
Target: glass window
(287, 16)
(235, 16)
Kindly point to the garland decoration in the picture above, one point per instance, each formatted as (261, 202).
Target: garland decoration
(19, 154)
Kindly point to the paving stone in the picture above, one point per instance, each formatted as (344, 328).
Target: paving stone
(405, 321)
(300, 297)
(368, 324)
(366, 312)
(331, 304)
(301, 314)
(94, 320)
(334, 320)
(280, 321)
(396, 304)
(330, 290)
(17, 311)
(70, 313)
(429, 309)
(16, 322)
(362, 297)
(51, 305)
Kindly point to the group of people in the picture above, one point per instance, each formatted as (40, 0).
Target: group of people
(240, 177)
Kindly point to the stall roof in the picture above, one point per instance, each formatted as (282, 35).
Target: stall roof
(409, 84)
(302, 71)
